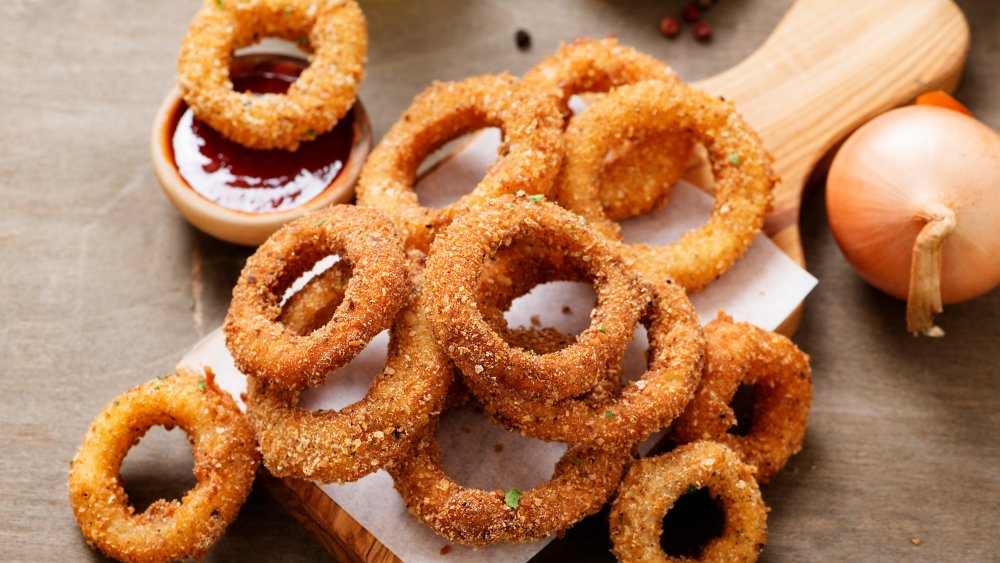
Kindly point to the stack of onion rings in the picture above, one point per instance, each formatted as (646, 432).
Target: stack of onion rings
(529, 156)
(315, 102)
(653, 485)
(225, 462)
(740, 353)
(264, 348)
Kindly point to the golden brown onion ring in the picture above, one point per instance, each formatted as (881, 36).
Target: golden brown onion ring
(264, 348)
(225, 462)
(653, 485)
(638, 174)
(740, 353)
(740, 164)
(337, 33)
(584, 479)
(529, 156)
(455, 268)
(345, 445)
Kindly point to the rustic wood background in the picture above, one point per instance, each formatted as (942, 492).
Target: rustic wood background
(103, 285)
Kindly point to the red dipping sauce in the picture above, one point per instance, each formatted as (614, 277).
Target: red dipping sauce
(251, 180)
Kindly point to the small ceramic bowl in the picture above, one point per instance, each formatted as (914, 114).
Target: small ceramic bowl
(238, 226)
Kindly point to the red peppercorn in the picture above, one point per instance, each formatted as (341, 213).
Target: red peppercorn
(691, 13)
(702, 31)
(670, 27)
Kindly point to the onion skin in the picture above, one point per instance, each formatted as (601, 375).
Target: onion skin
(894, 174)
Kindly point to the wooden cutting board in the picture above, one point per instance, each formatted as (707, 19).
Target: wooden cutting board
(829, 66)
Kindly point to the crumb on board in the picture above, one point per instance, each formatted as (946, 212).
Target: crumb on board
(498, 447)
(916, 541)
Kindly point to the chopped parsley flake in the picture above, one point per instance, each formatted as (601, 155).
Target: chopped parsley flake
(609, 414)
(691, 489)
(602, 328)
(116, 403)
(512, 498)
(576, 462)
(734, 158)
(395, 434)
(310, 132)
(157, 388)
(218, 3)
(510, 206)
(320, 222)
(536, 198)
(201, 384)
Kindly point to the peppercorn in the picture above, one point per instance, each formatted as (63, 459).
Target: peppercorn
(670, 27)
(522, 39)
(702, 31)
(691, 13)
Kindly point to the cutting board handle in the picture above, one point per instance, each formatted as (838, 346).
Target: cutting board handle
(828, 67)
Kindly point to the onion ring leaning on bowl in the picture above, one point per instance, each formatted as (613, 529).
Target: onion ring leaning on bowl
(323, 94)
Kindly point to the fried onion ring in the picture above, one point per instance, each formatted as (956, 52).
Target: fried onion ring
(454, 270)
(741, 165)
(653, 485)
(583, 481)
(740, 353)
(345, 445)
(619, 416)
(314, 103)
(638, 175)
(265, 348)
(225, 461)
(529, 156)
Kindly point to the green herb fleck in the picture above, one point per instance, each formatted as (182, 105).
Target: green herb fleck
(218, 3)
(310, 132)
(201, 384)
(602, 328)
(340, 280)
(157, 388)
(734, 158)
(395, 434)
(510, 206)
(320, 222)
(691, 489)
(303, 41)
(116, 403)
(512, 498)
(576, 462)
(161, 377)
(536, 198)
(609, 414)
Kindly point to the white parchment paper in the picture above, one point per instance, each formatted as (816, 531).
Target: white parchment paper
(764, 288)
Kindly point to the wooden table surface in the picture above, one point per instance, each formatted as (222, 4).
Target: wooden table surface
(103, 285)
